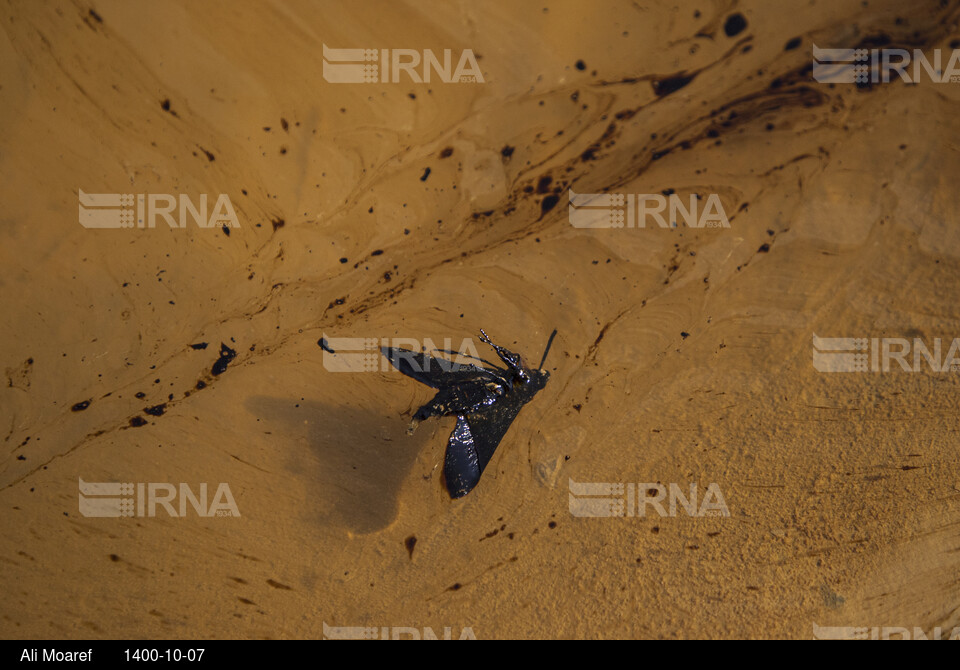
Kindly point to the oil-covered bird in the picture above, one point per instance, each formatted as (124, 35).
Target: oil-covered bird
(485, 401)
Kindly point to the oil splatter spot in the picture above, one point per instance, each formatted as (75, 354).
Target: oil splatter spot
(667, 86)
(734, 25)
(548, 204)
(226, 355)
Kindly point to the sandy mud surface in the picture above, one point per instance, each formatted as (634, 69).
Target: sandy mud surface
(426, 211)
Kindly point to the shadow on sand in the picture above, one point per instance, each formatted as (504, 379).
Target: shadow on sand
(355, 459)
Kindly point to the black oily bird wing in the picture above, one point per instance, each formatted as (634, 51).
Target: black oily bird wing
(473, 443)
(434, 372)
(461, 388)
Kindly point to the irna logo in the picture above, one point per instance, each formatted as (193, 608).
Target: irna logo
(113, 499)
(369, 66)
(883, 354)
(619, 210)
(876, 66)
(143, 210)
(606, 499)
(368, 354)
(393, 633)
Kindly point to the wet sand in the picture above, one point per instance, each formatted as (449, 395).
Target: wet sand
(683, 354)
